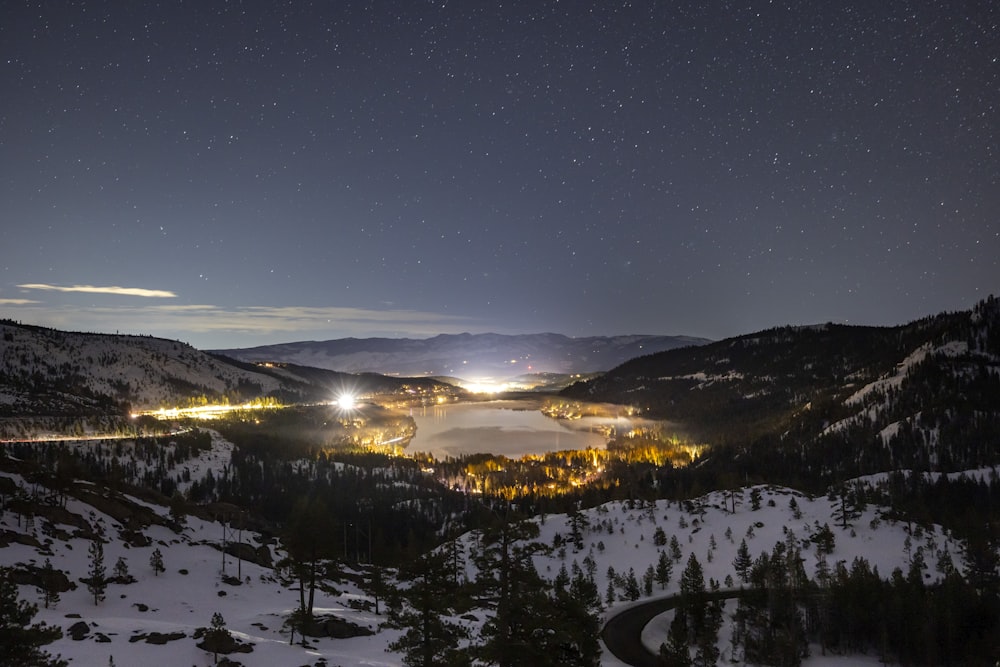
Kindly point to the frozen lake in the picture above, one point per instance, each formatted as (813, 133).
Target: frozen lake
(510, 428)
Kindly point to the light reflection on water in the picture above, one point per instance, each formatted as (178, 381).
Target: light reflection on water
(510, 428)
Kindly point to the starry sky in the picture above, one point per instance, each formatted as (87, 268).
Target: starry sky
(240, 173)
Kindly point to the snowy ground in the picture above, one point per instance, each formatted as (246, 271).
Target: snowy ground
(254, 611)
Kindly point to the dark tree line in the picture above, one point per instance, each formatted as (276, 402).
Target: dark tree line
(531, 620)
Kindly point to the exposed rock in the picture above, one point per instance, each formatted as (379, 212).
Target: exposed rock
(8, 537)
(32, 575)
(335, 627)
(135, 538)
(158, 638)
(130, 514)
(221, 642)
(78, 631)
(258, 555)
(52, 513)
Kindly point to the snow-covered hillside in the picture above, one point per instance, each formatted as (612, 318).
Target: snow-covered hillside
(144, 371)
(619, 535)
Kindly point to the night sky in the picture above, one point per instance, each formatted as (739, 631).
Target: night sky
(241, 173)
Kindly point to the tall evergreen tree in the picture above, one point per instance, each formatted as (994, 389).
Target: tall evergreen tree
(534, 622)
(675, 549)
(430, 639)
(575, 624)
(47, 586)
(578, 522)
(693, 603)
(508, 581)
(97, 582)
(849, 505)
(309, 539)
(21, 641)
(121, 570)
(707, 641)
(632, 590)
(674, 652)
(664, 569)
(774, 629)
(156, 562)
(217, 636)
(742, 562)
(648, 578)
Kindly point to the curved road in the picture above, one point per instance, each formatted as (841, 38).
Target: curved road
(622, 634)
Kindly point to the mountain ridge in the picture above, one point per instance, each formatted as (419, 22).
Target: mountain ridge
(51, 372)
(922, 395)
(486, 354)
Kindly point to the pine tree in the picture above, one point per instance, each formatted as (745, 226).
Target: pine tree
(121, 570)
(675, 549)
(456, 559)
(675, 653)
(217, 636)
(561, 582)
(793, 505)
(47, 586)
(429, 638)
(824, 539)
(308, 539)
(376, 585)
(156, 562)
(295, 622)
(706, 643)
(177, 508)
(573, 634)
(578, 522)
(610, 595)
(848, 507)
(21, 641)
(664, 569)
(693, 603)
(648, 578)
(533, 623)
(742, 562)
(774, 629)
(97, 575)
(632, 590)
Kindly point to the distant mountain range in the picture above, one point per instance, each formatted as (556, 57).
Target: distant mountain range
(466, 355)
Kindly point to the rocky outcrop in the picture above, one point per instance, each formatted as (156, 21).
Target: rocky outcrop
(335, 627)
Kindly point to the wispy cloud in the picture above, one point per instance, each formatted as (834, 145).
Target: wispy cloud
(16, 302)
(110, 289)
(210, 327)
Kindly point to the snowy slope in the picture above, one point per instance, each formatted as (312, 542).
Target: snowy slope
(145, 371)
(619, 535)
